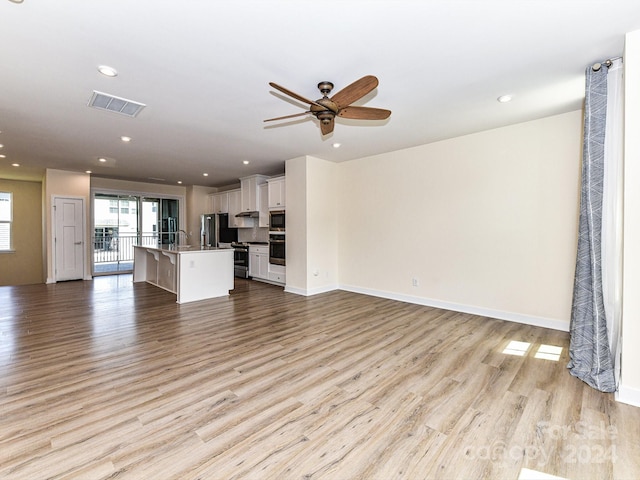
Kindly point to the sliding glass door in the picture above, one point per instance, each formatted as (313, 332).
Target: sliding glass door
(122, 221)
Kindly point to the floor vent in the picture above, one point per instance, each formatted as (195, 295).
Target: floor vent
(104, 101)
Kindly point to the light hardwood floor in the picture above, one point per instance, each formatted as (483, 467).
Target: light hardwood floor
(109, 379)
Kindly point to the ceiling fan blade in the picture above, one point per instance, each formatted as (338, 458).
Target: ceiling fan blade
(355, 91)
(326, 129)
(364, 113)
(294, 95)
(286, 116)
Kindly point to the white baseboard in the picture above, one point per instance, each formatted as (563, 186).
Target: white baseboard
(484, 312)
(53, 280)
(296, 290)
(628, 395)
(310, 291)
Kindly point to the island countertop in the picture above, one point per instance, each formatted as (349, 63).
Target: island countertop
(184, 248)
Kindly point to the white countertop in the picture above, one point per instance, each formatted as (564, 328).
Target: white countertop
(184, 248)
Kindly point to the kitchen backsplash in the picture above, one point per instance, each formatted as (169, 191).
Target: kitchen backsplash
(255, 234)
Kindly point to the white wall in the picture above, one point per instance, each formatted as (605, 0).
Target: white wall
(312, 226)
(296, 233)
(322, 226)
(61, 183)
(629, 391)
(197, 204)
(486, 223)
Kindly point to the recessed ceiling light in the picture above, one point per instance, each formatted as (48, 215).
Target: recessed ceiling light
(108, 71)
(505, 98)
(1, 145)
(3, 156)
(336, 145)
(125, 139)
(88, 171)
(205, 174)
(102, 160)
(15, 164)
(246, 162)
(180, 182)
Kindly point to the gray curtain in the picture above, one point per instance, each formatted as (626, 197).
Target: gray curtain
(589, 353)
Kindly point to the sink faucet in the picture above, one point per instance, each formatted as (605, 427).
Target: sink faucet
(186, 236)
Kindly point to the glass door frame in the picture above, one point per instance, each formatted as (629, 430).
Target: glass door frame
(141, 197)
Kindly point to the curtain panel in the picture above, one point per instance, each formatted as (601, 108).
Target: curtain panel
(589, 352)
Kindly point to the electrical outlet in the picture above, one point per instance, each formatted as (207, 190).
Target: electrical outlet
(415, 282)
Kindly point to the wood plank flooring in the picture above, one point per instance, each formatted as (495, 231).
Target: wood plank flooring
(109, 379)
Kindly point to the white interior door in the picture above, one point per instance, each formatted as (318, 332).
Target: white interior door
(69, 238)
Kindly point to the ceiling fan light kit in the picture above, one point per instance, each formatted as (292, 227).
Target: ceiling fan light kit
(325, 109)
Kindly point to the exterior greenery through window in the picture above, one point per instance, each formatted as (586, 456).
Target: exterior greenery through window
(6, 217)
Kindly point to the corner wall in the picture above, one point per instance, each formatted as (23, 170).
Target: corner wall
(629, 389)
(296, 233)
(312, 226)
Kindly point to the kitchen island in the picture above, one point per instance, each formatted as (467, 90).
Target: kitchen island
(191, 272)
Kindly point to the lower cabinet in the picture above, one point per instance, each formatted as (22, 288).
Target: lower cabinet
(261, 269)
(277, 273)
(259, 262)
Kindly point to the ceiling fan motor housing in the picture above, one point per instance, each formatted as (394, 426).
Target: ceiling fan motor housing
(325, 116)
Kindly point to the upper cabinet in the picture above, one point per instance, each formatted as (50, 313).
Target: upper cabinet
(256, 196)
(220, 202)
(235, 207)
(276, 193)
(250, 188)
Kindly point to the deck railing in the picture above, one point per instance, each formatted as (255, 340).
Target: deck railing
(117, 249)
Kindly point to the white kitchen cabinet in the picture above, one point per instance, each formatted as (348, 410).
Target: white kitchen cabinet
(250, 188)
(259, 261)
(235, 207)
(263, 219)
(220, 202)
(276, 193)
(277, 273)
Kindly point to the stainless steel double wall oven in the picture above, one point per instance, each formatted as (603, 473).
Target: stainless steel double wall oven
(277, 237)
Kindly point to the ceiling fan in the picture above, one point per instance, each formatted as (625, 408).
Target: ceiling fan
(325, 109)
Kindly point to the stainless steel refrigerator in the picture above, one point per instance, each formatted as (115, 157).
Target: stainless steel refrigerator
(214, 228)
(209, 230)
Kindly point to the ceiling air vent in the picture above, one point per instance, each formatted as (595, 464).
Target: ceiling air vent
(104, 101)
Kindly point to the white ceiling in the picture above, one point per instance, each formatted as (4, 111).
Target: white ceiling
(202, 67)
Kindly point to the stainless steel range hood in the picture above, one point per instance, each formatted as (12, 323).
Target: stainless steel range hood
(249, 214)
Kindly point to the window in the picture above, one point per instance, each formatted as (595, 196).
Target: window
(6, 218)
